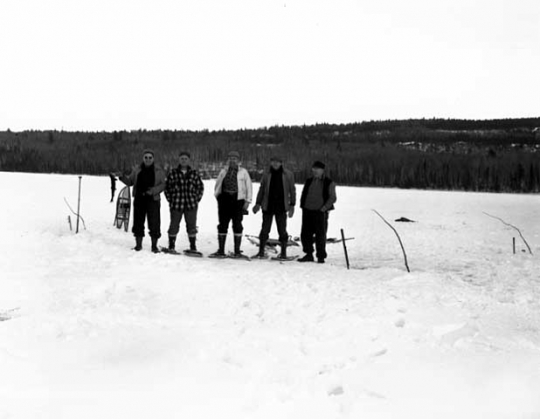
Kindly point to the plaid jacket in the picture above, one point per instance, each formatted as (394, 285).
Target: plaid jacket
(183, 191)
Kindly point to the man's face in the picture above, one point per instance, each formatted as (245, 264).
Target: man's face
(317, 172)
(148, 160)
(276, 164)
(184, 161)
(233, 161)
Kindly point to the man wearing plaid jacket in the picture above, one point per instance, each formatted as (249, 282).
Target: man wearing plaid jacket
(184, 190)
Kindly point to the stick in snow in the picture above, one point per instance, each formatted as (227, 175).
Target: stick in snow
(345, 248)
(71, 209)
(79, 206)
(399, 238)
(514, 227)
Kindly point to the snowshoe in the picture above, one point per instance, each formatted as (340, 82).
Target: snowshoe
(193, 253)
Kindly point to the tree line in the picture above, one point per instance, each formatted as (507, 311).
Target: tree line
(492, 155)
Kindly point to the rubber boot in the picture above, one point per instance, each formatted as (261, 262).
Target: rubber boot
(308, 257)
(283, 254)
(154, 245)
(138, 243)
(193, 243)
(172, 242)
(221, 242)
(262, 248)
(237, 243)
(222, 238)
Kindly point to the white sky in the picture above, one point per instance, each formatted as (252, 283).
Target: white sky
(194, 64)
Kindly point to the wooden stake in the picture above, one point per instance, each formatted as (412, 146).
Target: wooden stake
(514, 244)
(78, 206)
(345, 249)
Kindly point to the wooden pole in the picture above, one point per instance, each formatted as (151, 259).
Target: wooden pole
(514, 244)
(399, 239)
(345, 249)
(78, 206)
(514, 227)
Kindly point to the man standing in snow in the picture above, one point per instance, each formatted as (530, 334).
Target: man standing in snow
(148, 182)
(318, 198)
(233, 192)
(277, 198)
(184, 190)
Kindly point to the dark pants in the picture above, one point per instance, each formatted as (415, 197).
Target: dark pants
(146, 208)
(281, 222)
(230, 208)
(314, 226)
(191, 222)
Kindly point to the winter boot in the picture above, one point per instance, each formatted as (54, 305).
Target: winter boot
(307, 258)
(283, 254)
(192, 251)
(154, 245)
(221, 251)
(172, 242)
(193, 243)
(262, 246)
(138, 243)
(237, 243)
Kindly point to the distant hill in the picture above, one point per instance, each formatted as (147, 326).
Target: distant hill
(487, 155)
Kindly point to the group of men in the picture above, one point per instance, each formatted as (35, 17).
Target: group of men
(183, 189)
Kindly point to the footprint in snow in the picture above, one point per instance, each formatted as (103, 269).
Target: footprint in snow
(380, 352)
(400, 322)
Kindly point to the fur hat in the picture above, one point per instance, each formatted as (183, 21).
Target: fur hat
(318, 164)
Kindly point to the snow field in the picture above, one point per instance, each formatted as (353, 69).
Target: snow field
(90, 328)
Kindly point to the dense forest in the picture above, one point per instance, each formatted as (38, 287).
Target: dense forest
(475, 155)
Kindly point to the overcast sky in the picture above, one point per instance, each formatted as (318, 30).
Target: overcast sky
(177, 64)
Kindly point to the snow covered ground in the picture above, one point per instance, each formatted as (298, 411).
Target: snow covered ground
(91, 329)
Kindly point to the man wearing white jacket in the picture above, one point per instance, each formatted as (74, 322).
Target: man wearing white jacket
(233, 192)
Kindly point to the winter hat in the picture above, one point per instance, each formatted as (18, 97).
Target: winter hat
(184, 153)
(276, 158)
(234, 154)
(148, 151)
(318, 165)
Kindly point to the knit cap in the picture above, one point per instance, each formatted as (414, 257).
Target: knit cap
(318, 165)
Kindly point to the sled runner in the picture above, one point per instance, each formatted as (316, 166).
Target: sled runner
(271, 244)
(123, 209)
(333, 240)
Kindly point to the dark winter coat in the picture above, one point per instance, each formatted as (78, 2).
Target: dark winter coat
(158, 184)
(289, 190)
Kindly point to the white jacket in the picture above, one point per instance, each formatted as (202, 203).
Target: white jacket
(245, 189)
